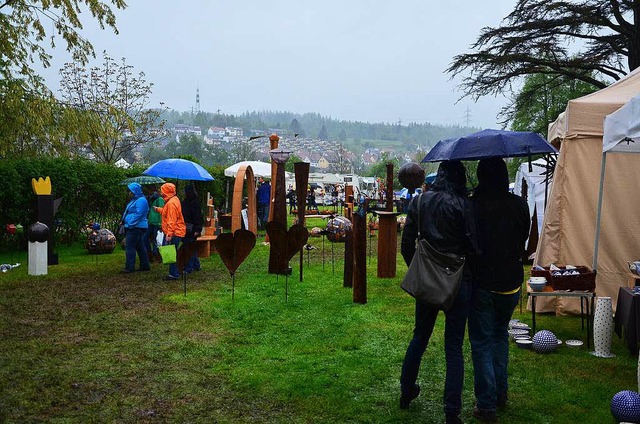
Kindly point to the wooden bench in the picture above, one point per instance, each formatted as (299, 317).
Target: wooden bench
(205, 246)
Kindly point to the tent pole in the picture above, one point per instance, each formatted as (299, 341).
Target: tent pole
(598, 214)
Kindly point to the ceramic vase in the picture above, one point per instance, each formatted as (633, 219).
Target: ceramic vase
(603, 328)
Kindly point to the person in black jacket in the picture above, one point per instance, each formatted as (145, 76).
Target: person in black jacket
(192, 213)
(446, 222)
(502, 224)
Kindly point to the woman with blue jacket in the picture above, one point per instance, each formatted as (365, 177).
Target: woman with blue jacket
(135, 224)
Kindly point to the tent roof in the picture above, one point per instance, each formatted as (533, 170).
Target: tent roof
(622, 128)
(260, 169)
(583, 116)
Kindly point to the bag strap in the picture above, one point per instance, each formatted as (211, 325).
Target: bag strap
(419, 215)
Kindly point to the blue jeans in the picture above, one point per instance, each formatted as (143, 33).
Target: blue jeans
(133, 245)
(173, 268)
(488, 324)
(455, 323)
(150, 238)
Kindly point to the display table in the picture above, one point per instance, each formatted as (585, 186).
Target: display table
(204, 245)
(586, 305)
(627, 318)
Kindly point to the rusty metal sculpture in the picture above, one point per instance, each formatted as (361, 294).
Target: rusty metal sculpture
(387, 233)
(233, 249)
(236, 205)
(302, 179)
(285, 244)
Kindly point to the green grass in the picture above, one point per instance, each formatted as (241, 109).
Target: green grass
(86, 344)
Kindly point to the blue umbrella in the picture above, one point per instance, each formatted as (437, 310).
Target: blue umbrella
(180, 169)
(429, 179)
(489, 143)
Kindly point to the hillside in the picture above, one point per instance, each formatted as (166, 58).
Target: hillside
(356, 136)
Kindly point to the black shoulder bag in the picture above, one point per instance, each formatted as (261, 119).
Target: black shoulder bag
(433, 277)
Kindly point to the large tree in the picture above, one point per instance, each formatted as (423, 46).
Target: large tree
(29, 29)
(541, 99)
(117, 100)
(589, 40)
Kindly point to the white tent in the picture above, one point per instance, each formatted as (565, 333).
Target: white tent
(537, 190)
(568, 230)
(621, 135)
(260, 169)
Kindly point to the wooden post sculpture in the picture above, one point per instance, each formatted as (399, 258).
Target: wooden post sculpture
(387, 232)
(389, 188)
(302, 179)
(46, 210)
(348, 240)
(273, 144)
(360, 254)
(236, 205)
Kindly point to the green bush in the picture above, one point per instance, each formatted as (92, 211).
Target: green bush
(90, 192)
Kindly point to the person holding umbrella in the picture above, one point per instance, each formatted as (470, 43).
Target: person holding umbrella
(192, 213)
(155, 223)
(173, 225)
(447, 224)
(134, 220)
(502, 222)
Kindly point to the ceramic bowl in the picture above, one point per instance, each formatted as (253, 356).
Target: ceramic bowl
(525, 344)
(574, 343)
(537, 286)
(521, 326)
(516, 338)
(517, 332)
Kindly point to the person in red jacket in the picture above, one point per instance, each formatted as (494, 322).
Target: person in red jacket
(173, 225)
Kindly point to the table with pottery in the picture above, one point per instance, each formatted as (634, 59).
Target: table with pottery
(538, 286)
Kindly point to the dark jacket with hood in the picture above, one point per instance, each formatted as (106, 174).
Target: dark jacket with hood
(502, 224)
(192, 212)
(135, 214)
(446, 218)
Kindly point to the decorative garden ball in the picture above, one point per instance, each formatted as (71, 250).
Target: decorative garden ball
(545, 341)
(38, 232)
(625, 406)
(337, 228)
(411, 176)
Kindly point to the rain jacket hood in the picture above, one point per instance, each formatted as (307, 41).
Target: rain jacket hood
(493, 176)
(136, 189)
(168, 190)
(451, 177)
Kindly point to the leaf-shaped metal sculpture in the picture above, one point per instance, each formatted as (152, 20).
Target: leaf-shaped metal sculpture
(234, 248)
(286, 243)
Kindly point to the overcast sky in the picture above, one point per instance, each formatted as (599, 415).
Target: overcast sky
(357, 60)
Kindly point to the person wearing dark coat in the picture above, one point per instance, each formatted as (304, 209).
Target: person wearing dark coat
(192, 213)
(502, 224)
(447, 223)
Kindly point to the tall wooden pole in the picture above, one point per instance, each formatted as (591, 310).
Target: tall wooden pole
(360, 257)
(389, 187)
(273, 144)
(302, 179)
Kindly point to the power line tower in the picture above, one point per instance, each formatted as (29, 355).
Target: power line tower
(197, 100)
(467, 117)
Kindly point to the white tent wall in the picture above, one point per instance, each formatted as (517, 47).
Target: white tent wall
(535, 181)
(568, 230)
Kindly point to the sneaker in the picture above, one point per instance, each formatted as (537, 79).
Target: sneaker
(406, 398)
(170, 278)
(484, 415)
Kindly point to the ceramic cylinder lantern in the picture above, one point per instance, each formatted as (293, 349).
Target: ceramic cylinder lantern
(603, 328)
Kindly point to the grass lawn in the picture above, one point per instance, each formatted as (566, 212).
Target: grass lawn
(87, 344)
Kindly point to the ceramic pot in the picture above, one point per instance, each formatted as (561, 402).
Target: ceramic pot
(603, 328)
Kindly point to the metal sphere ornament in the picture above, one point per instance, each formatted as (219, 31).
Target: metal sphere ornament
(38, 232)
(411, 176)
(337, 228)
(544, 341)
